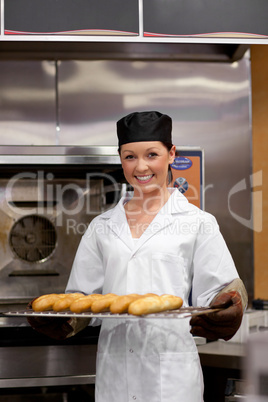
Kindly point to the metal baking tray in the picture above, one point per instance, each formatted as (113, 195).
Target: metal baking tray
(183, 312)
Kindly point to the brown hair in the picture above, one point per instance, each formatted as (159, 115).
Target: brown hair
(169, 145)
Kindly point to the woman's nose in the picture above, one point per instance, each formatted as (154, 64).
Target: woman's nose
(141, 165)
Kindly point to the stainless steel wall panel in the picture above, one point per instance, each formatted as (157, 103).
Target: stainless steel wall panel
(27, 103)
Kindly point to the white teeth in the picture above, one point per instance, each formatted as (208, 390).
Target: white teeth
(144, 178)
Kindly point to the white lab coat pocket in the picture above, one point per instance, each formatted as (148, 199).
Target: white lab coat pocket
(181, 377)
(168, 274)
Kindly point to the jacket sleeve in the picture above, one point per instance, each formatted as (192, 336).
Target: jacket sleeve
(87, 272)
(235, 286)
(213, 266)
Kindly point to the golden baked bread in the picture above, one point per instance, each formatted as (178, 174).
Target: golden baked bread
(103, 303)
(84, 303)
(154, 304)
(121, 303)
(46, 302)
(64, 303)
(133, 303)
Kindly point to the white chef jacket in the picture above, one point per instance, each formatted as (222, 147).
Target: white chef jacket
(182, 252)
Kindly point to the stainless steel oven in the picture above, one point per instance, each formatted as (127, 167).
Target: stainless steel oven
(49, 195)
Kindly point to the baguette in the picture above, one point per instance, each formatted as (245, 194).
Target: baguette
(64, 303)
(46, 302)
(171, 302)
(154, 304)
(84, 303)
(121, 303)
(103, 304)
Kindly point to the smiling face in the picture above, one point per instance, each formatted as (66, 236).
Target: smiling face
(145, 165)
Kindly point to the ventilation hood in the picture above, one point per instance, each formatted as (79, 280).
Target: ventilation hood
(38, 50)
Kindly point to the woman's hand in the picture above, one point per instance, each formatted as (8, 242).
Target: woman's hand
(221, 324)
(225, 323)
(55, 327)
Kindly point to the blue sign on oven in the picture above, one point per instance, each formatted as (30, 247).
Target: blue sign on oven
(181, 163)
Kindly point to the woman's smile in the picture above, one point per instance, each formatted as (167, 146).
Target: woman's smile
(144, 179)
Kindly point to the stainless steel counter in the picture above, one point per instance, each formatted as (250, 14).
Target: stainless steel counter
(221, 354)
(50, 365)
(47, 365)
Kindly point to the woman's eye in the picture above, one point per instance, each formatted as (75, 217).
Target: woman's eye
(152, 154)
(129, 157)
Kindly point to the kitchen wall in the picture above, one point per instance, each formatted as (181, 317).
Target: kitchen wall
(78, 102)
(260, 167)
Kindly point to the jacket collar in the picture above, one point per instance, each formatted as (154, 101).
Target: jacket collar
(177, 203)
(117, 221)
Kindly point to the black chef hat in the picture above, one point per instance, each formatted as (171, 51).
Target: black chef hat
(144, 126)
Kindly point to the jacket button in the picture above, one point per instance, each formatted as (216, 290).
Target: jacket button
(134, 397)
(131, 350)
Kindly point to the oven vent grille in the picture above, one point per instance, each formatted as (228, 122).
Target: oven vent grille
(33, 238)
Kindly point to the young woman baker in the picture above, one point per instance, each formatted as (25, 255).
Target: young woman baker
(155, 241)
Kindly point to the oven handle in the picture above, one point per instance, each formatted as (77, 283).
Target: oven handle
(33, 272)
